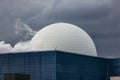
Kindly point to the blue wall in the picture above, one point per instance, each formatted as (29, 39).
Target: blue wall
(78, 67)
(57, 65)
(114, 67)
(40, 66)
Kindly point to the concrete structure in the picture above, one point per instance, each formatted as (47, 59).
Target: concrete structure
(64, 37)
(62, 52)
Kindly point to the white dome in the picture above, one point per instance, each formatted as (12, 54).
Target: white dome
(63, 37)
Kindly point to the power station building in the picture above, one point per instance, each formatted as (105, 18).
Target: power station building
(60, 52)
(57, 65)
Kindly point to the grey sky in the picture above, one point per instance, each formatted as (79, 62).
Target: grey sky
(100, 18)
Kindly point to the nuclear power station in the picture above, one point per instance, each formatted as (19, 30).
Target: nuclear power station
(61, 51)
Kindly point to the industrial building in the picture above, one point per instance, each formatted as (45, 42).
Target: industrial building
(57, 65)
(60, 52)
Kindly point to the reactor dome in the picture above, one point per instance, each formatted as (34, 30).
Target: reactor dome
(63, 37)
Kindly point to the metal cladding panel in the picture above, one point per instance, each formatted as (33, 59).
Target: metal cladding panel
(57, 65)
(79, 67)
(39, 65)
(114, 67)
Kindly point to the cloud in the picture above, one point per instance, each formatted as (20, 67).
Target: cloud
(22, 47)
(83, 9)
(19, 47)
(23, 30)
(5, 47)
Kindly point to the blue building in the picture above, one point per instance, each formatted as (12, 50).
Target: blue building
(58, 65)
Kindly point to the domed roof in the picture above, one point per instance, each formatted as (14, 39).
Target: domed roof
(63, 37)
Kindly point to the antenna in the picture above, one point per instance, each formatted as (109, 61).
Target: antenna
(56, 48)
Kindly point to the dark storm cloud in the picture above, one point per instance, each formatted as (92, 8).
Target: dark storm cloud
(11, 10)
(100, 18)
(82, 9)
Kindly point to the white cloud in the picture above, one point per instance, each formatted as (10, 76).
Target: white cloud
(22, 47)
(21, 29)
(19, 47)
(5, 47)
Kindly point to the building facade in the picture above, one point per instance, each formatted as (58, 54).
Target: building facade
(57, 65)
